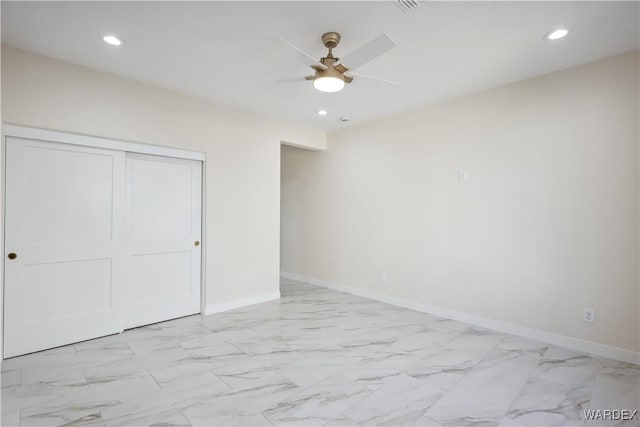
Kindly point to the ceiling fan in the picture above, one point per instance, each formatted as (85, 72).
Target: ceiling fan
(331, 74)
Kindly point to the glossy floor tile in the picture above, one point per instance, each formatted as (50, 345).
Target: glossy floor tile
(315, 357)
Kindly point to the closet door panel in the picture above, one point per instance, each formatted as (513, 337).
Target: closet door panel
(64, 224)
(164, 226)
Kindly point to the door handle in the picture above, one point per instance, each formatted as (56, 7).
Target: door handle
(12, 255)
(197, 243)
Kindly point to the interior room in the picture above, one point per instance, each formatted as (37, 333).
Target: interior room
(345, 213)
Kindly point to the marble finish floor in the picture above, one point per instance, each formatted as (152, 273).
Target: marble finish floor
(315, 357)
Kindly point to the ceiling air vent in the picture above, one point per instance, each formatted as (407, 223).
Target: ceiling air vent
(407, 5)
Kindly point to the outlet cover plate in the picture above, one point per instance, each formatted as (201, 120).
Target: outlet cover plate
(589, 315)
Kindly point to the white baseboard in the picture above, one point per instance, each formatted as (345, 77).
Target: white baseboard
(242, 302)
(506, 327)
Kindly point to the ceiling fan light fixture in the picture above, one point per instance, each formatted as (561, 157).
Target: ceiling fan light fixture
(328, 84)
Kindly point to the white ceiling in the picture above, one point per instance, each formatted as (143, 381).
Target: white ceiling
(221, 50)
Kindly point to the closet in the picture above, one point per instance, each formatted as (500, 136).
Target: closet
(100, 236)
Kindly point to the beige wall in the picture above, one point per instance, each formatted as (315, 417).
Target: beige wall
(546, 225)
(242, 155)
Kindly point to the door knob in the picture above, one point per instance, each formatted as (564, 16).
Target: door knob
(197, 243)
(12, 255)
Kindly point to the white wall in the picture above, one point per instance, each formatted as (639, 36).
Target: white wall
(242, 155)
(546, 225)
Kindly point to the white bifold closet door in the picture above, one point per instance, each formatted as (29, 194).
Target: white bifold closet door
(96, 241)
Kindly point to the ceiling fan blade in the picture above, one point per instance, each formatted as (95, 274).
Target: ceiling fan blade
(292, 80)
(391, 82)
(306, 59)
(368, 52)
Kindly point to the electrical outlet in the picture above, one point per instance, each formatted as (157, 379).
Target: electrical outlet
(382, 278)
(463, 176)
(589, 315)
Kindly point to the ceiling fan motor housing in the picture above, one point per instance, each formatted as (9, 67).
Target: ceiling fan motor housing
(331, 71)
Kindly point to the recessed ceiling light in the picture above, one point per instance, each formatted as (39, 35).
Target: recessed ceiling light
(557, 34)
(112, 40)
(322, 112)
